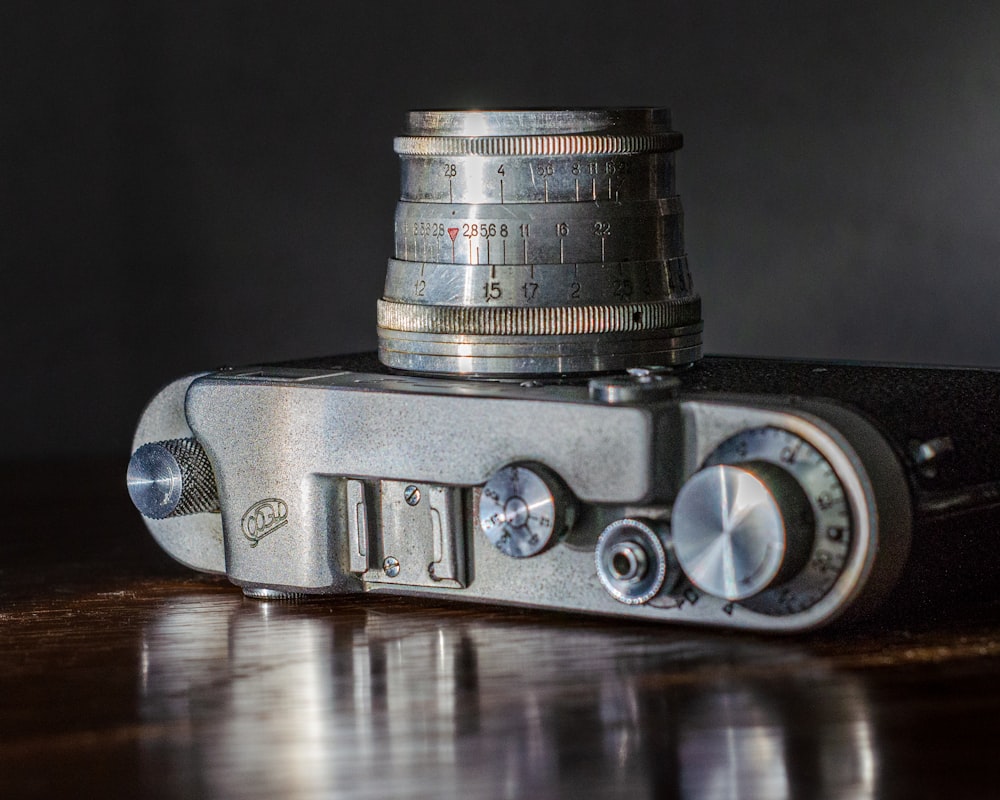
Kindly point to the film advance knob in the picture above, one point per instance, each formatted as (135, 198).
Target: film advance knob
(738, 529)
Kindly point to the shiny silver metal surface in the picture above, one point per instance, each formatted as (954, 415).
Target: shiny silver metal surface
(635, 561)
(265, 593)
(442, 284)
(482, 354)
(729, 532)
(614, 175)
(487, 321)
(536, 121)
(421, 536)
(154, 481)
(195, 540)
(815, 509)
(300, 446)
(171, 478)
(637, 385)
(527, 243)
(539, 233)
(559, 227)
(521, 511)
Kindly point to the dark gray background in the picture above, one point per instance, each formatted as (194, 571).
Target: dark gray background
(184, 185)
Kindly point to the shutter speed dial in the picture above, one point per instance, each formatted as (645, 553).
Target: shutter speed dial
(764, 522)
(522, 510)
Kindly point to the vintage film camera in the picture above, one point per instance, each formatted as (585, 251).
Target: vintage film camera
(539, 428)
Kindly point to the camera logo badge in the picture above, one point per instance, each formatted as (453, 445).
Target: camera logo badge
(263, 518)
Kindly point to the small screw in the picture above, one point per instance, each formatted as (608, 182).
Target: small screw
(412, 495)
(391, 566)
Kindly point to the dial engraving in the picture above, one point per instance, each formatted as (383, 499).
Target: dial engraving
(520, 511)
(832, 523)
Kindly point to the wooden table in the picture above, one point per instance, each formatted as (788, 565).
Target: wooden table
(122, 673)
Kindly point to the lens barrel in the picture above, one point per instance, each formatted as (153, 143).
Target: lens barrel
(538, 241)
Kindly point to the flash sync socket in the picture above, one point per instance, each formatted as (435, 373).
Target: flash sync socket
(633, 563)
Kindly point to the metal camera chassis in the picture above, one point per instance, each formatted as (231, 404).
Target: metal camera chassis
(344, 477)
(537, 427)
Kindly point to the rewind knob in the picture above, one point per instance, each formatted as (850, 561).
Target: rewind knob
(739, 529)
(172, 478)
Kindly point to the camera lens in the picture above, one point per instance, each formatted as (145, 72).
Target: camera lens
(538, 241)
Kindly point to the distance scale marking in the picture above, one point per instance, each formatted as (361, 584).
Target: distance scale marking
(537, 284)
(833, 529)
(622, 178)
(557, 233)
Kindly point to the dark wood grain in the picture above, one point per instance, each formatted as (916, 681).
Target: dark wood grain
(124, 674)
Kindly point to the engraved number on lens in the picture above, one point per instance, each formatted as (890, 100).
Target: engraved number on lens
(582, 200)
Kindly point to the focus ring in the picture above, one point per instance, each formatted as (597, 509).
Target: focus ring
(538, 321)
(552, 145)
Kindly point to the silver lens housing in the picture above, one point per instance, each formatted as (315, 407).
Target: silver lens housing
(538, 241)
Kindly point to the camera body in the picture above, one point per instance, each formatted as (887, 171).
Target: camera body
(342, 476)
(538, 428)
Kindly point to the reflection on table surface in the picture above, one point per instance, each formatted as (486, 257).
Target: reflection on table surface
(385, 702)
(124, 674)
(197, 692)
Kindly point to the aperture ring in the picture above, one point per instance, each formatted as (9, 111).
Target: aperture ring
(538, 321)
(550, 145)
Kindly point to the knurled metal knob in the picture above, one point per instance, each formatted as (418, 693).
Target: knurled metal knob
(739, 529)
(172, 478)
(635, 561)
